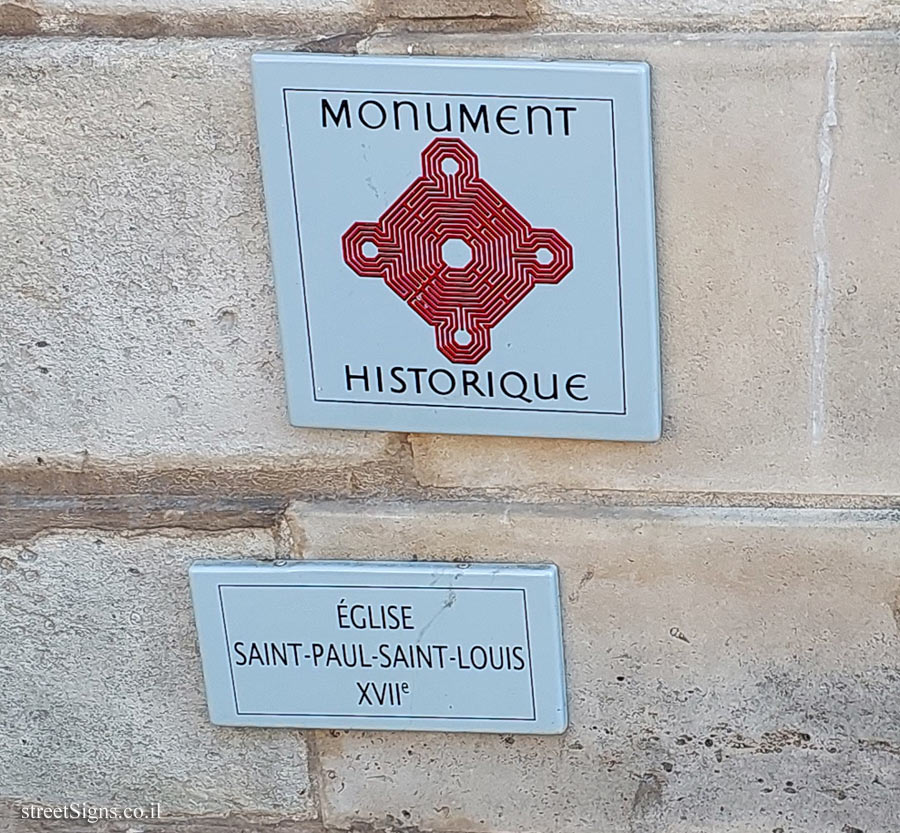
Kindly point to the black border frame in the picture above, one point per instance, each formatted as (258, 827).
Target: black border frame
(238, 711)
(459, 406)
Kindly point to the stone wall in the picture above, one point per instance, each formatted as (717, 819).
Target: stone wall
(731, 593)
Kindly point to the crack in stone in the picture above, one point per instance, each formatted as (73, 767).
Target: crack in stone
(822, 286)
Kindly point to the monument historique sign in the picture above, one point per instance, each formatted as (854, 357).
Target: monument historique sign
(463, 245)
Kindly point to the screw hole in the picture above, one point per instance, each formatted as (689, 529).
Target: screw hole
(462, 337)
(369, 249)
(544, 256)
(449, 166)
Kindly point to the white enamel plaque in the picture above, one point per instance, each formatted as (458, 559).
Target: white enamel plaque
(463, 245)
(382, 645)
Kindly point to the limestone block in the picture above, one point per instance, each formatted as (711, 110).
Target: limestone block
(776, 15)
(159, 18)
(728, 670)
(138, 316)
(777, 225)
(860, 249)
(153, 18)
(101, 685)
(736, 124)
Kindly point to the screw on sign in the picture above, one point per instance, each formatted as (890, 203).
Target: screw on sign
(456, 251)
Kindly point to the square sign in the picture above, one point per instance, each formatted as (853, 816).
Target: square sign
(386, 645)
(463, 245)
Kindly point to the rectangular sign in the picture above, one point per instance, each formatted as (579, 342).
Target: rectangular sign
(384, 645)
(463, 245)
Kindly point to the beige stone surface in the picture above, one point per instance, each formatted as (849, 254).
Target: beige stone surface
(773, 15)
(149, 18)
(206, 18)
(728, 670)
(139, 328)
(861, 313)
(736, 125)
(101, 686)
(138, 319)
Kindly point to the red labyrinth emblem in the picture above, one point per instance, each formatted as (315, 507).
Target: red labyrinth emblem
(456, 251)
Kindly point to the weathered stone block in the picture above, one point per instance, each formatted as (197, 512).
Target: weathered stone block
(860, 249)
(700, 15)
(728, 670)
(138, 319)
(475, 11)
(160, 18)
(102, 690)
(767, 152)
(155, 18)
